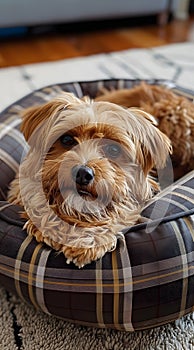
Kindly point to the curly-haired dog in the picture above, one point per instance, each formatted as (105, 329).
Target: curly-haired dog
(173, 113)
(86, 174)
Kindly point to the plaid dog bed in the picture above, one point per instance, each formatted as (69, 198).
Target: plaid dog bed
(147, 281)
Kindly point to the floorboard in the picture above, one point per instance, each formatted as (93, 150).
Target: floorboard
(84, 41)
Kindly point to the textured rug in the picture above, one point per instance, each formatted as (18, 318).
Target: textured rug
(21, 326)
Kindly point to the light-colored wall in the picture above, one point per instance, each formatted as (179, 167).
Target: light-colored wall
(36, 12)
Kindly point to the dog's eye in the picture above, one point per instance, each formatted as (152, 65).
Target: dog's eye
(112, 150)
(68, 140)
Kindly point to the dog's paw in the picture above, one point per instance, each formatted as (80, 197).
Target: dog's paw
(83, 256)
(80, 250)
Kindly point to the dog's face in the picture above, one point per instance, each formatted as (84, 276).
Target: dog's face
(93, 158)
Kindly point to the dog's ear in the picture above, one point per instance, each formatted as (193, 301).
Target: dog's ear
(34, 116)
(152, 146)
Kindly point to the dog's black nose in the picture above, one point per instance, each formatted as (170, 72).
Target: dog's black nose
(82, 175)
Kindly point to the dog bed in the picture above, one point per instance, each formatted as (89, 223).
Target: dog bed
(147, 281)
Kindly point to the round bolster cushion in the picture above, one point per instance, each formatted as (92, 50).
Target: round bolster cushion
(147, 281)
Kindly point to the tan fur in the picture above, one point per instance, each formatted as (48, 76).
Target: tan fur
(174, 114)
(84, 221)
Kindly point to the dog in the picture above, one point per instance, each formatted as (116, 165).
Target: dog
(86, 174)
(173, 113)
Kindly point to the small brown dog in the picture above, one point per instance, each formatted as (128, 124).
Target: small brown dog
(86, 174)
(174, 115)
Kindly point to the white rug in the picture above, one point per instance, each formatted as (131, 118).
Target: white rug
(173, 62)
(21, 326)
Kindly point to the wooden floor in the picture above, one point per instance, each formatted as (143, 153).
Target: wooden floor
(68, 44)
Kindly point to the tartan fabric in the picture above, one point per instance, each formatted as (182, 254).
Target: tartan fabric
(147, 281)
(11, 149)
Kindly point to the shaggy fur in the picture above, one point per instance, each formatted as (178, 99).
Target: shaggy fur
(118, 146)
(173, 113)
